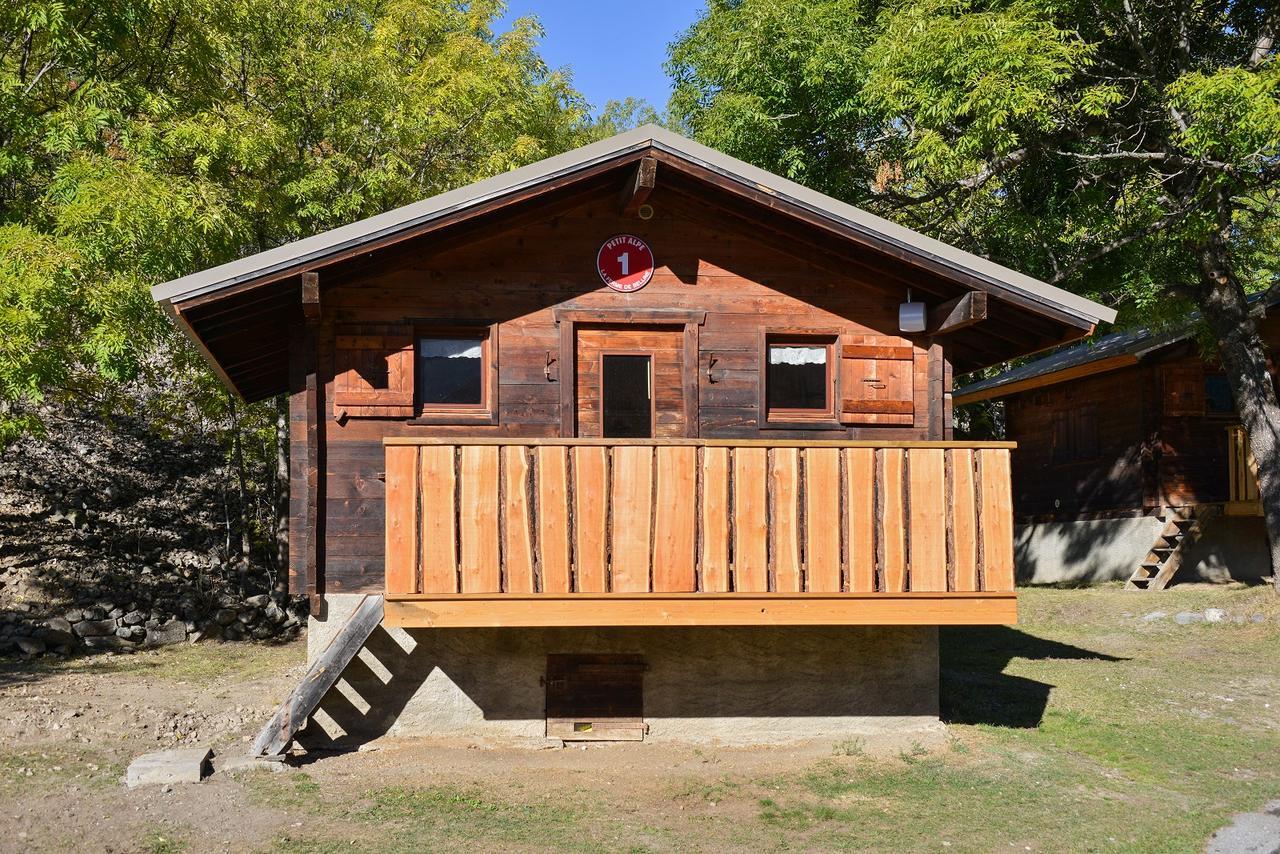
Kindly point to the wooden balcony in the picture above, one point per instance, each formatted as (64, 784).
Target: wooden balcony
(1242, 476)
(582, 532)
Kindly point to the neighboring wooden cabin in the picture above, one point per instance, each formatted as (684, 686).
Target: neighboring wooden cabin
(487, 433)
(1134, 424)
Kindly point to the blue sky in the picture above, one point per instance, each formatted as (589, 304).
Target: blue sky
(615, 49)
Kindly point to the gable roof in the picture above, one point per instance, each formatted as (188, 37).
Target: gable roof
(318, 247)
(1117, 350)
(1067, 315)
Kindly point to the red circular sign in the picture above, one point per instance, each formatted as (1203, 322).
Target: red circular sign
(625, 263)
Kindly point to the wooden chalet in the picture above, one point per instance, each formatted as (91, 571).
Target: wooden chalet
(641, 385)
(1137, 425)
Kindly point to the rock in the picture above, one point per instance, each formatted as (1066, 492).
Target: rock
(274, 613)
(30, 646)
(165, 767)
(1215, 615)
(95, 628)
(262, 631)
(236, 764)
(75, 615)
(259, 601)
(1258, 618)
(116, 613)
(1154, 615)
(173, 631)
(103, 642)
(1184, 618)
(54, 637)
(1249, 833)
(249, 616)
(58, 624)
(135, 618)
(94, 613)
(224, 617)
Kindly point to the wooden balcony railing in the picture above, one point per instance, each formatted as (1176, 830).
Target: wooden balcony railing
(1242, 475)
(641, 532)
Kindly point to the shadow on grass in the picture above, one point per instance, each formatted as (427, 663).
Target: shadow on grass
(975, 688)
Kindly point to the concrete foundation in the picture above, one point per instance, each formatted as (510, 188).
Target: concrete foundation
(1232, 548)
(723, 685)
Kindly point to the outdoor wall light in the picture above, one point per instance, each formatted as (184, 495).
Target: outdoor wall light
(911, 315)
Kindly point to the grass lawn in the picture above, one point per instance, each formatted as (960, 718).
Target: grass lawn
(1085, 728)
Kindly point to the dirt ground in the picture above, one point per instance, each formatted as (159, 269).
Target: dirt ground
(1090, 726)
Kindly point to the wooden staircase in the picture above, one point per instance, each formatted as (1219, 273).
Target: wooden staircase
(322, 675)
(1183, 526)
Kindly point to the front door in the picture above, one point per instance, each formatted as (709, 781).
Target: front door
(630, 381)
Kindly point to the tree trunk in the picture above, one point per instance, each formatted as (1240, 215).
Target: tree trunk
(1226, 311)
(282, 493)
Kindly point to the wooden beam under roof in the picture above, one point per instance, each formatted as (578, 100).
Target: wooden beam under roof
(960, 313)
(639, 186)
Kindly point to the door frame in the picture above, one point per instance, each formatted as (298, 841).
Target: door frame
(567, 319)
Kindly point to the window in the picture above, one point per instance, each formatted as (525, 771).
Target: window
(1075, 437)
(798, 379)
(627, 396)
(1218, 399)
(454, 376)
(450, 372)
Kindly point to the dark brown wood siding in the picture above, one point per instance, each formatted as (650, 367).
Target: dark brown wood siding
(1157, 443)
(519, 276)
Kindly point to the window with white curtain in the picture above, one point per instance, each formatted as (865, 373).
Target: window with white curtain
(798, 377)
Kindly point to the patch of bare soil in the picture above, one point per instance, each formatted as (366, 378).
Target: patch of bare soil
(68, 731)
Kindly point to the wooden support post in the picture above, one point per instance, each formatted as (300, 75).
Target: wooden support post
(639, 186)
(311, 297)
(958, 313)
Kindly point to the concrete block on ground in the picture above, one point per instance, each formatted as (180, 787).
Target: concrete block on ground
(1249, 833)
(181, 765)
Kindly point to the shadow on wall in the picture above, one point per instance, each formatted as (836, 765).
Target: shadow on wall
(473, 682)
(975, 688)
(1091, 551)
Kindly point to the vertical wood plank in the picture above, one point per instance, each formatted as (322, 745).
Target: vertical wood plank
(822, 519)
(860, 506)
(964, 520)
(715, 520)
(632, 514)
(402, 519)
(590, 517)
(750, 520)
(553, 518)
(518, 542)
(996, 519)
(675, 520)
(478, 519)
(439, 537)
(784, 484)
(928, 519)
(892, 527)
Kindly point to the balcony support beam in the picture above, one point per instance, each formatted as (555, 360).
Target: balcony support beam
(700, 609)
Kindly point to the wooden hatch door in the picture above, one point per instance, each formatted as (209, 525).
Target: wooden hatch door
(595, 697)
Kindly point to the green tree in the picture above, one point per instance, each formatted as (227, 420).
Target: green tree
(1128, 149)
(143, 139)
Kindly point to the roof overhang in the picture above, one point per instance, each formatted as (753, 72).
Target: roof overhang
(265, 287)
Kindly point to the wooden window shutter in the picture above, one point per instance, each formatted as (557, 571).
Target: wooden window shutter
(373, 371)
(1183, 389)
(877, 381)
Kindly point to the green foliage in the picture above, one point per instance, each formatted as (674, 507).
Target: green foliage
(1089, 144)
(144, 139)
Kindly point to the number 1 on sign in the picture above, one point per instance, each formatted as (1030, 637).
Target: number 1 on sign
(625, 260)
